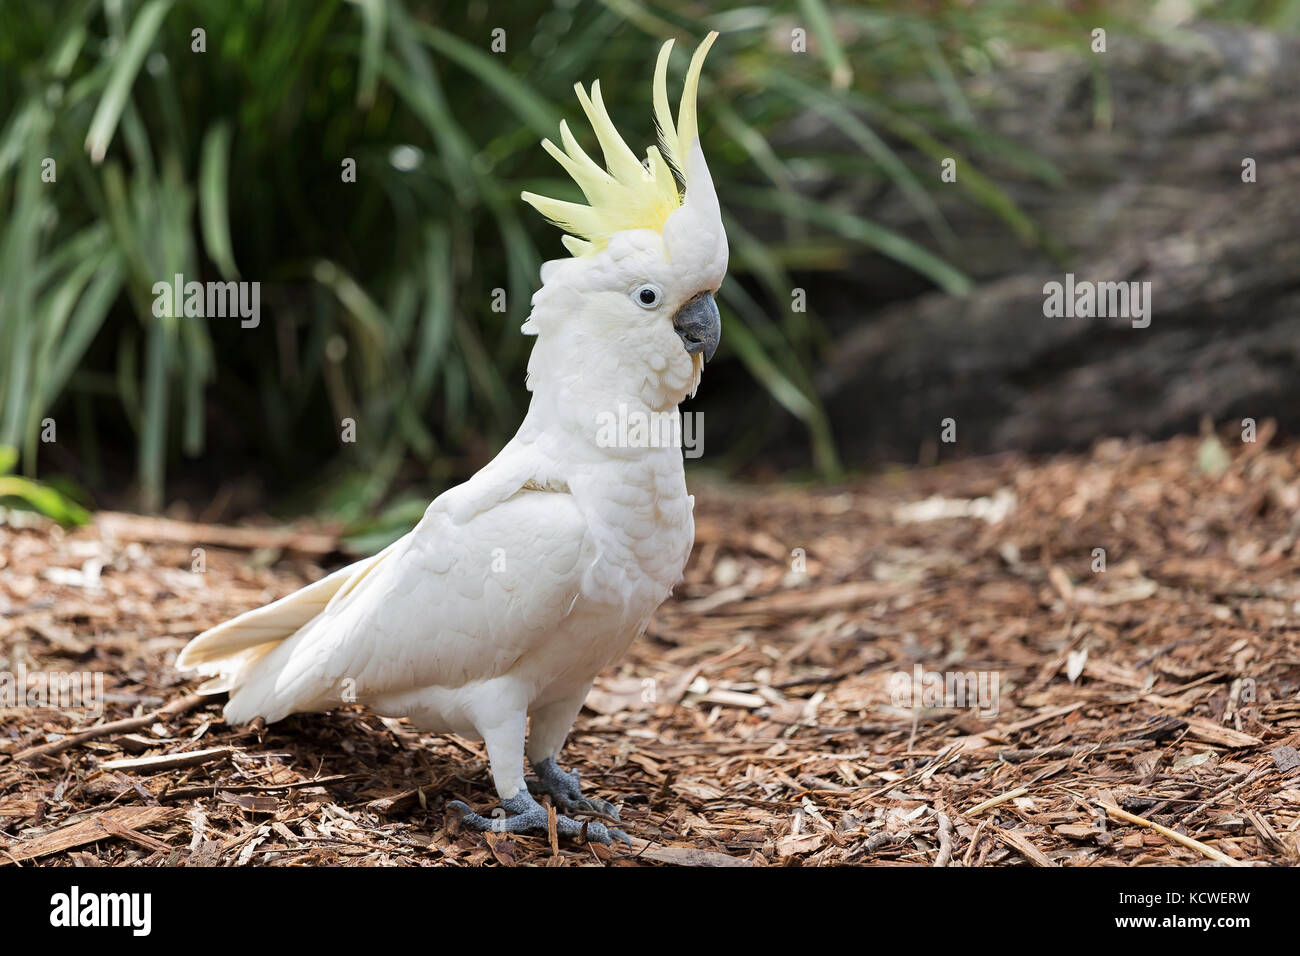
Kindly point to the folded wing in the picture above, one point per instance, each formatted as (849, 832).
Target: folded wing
(450, 603)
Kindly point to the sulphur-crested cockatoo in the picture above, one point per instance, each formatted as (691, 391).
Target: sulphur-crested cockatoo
(519, 586)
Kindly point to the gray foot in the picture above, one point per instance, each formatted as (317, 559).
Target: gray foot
(526, 815)
(566, 791)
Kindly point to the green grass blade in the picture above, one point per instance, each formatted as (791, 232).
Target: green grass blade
(214, 199)
(793, 399)
(870, 143)
(486, 68)
(899, 248)
(126, 65)
(819, 21)
(374, 19)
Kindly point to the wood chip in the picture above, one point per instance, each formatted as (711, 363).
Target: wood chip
(191, 758)
(1020, 843)
(996, 801)
(690, 856)
(121, 820)
(1191, 844)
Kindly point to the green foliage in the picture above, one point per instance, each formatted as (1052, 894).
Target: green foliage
(376, 295)
(34, 496)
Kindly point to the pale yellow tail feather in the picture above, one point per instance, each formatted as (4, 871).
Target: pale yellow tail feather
(233, 646)
(232, 669)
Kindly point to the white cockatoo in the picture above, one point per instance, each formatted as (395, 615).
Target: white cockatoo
(521, 585)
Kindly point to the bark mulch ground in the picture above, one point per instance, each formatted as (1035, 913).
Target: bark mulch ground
(929, 667)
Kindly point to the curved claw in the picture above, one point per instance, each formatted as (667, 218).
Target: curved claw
(583, 804)
(594, 832)
(597, 832)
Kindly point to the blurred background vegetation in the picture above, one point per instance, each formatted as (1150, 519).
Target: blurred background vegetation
(377, 295)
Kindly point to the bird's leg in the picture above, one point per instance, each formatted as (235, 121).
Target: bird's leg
(519, 812)
(550, 726)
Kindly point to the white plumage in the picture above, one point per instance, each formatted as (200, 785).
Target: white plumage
(519, 586)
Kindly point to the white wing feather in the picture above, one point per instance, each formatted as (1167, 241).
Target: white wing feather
(483, 579)
(436, 614)
(271, 622)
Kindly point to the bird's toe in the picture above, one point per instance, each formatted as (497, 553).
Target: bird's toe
(523, 814)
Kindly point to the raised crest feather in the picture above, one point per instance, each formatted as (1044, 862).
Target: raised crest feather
(626, 193)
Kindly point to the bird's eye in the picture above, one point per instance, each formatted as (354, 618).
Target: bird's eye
(647, 295)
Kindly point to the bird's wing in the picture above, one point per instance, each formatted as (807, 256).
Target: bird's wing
(272, 622)
(248, 634)
(487, 575)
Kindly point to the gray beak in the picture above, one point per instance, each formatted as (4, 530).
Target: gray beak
(699, 325)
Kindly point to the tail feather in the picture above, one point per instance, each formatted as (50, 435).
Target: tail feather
(229, 650)
(231, 671)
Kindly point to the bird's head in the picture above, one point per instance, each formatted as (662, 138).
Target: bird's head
(634, 305)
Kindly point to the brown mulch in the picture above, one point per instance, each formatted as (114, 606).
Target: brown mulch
(1146, 714)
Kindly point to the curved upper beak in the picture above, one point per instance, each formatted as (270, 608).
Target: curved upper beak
(699, 325)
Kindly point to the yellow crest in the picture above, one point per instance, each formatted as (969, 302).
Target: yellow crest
(627, 194)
